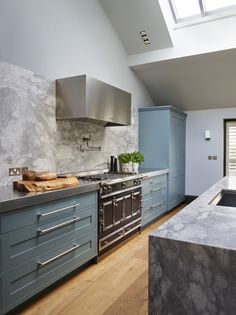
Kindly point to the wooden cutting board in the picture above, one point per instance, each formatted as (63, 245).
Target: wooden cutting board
(37, 186)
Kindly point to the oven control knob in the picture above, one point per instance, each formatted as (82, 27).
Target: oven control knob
(105, 189)
(123, 185)
(139, 181)
(108, 188)
(136, 182)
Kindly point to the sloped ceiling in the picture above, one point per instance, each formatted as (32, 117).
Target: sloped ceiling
(204, 81)
(129, 17)
(200, 81)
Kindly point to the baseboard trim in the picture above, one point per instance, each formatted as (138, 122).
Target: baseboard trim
(189, 198)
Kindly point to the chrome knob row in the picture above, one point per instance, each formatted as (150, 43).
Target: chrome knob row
(106, 189)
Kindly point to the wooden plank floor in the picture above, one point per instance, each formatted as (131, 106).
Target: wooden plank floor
(116, 285)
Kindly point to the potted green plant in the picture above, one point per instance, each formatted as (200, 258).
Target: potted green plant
(125, 160)
(136, 158)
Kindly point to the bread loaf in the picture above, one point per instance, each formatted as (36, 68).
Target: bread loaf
(28, 175)
(38, 176)
(45, 176)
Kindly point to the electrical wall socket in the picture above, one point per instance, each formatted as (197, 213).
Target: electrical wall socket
(16, 171)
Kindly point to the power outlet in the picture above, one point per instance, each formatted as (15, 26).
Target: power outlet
(14, 171)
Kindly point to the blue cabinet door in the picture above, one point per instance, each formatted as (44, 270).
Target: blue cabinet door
(162, 141)
(153, 138)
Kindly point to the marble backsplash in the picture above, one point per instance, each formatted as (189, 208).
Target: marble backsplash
(31, 136)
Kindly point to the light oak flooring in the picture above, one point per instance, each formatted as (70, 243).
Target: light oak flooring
(117, 285)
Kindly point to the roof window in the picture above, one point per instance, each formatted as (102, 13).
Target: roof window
(188, 10)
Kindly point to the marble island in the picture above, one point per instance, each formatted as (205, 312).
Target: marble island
(192, 259)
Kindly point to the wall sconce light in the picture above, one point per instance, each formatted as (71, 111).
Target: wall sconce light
(207, 135)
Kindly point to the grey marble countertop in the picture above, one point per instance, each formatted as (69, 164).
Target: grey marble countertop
(202, 222)
(12, 199)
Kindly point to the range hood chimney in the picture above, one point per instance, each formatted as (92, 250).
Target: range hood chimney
(85, 99)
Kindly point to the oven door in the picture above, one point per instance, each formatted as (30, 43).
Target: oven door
(118, 210)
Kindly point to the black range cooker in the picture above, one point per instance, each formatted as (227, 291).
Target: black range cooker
(119, 208)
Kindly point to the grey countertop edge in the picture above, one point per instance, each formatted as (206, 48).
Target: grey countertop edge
(13, 200)
(204, 223)
(146, 172)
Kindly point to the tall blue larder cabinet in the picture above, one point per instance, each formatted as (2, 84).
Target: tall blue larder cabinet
(162, 141)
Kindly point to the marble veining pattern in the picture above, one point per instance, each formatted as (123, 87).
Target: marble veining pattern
(31, 136)
(190, 279)
(27, 120)
(192, 259)
(202, 222)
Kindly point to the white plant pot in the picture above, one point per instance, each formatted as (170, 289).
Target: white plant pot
(135, 168)
(127, 168)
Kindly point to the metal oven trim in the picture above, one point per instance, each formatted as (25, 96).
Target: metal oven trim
(122, 229)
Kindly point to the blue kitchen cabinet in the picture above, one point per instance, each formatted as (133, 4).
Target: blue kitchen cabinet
(41, 244)
(162, 141)
(154, 198)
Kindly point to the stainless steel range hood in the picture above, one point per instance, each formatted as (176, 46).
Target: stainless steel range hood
(85, 99)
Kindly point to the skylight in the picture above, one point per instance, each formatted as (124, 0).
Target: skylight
(188, 10)
(212, 5)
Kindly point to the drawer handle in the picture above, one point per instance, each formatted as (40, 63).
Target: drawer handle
(42, 264)
(156, 205)
(55, 227)
(59, 210)
(153, 190)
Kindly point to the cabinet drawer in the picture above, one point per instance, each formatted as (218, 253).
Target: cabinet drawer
(154, 184)
(25, 244)
(47, 212)
(154, 180)
(153, 198)
(38, 273)
(153, 212)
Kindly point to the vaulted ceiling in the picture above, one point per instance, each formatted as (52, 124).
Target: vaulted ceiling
(130, 17)
(193, 80)
(204, 81)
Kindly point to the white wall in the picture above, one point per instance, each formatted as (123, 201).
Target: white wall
(60, 38)
(201, 173)
(218, 34)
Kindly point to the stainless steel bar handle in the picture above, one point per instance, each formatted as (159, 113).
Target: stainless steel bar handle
(55, 227)
(156, 205)
(157, 189)
(58, 210)
(42, 264)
